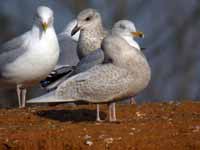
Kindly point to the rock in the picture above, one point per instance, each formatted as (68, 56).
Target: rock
(89, 143)
(108, 140)
(86, 137)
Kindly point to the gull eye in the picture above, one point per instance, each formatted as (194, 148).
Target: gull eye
(122, 26)
(88, 18)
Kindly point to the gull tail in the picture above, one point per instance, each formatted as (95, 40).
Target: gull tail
(49, 98)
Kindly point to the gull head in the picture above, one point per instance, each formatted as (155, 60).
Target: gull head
(87, 19)
(44, 18)
(126, 28)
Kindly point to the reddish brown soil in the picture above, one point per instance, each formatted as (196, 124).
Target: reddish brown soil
(163, 126)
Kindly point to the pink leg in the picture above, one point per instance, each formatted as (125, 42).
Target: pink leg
(24, 91)
(110, 112)
(114, 112)
(98, 119)
(132, 101)
(19, 95)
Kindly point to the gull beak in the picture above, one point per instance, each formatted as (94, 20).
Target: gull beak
(44, 26)
(75, 30)
(138, 34)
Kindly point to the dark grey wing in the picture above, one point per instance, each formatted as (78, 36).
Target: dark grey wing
(94, 58)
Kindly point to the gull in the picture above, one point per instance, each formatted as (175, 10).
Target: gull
(92, 32)
(29, 58)
(130, 41)
(89, 31)
(120, 28)
(124, 73)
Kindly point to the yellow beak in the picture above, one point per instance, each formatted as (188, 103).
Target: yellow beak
(44, 26)
(138, 34)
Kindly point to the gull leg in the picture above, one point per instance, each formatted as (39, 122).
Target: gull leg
(114, 112)
(19, 95)
(110, 112)
(132, 101)
(98, 119)
(24, 91)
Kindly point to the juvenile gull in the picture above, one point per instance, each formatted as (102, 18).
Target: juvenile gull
(124, 73)
(27, 59)
(122, 28)
(119, 26)
(89, 23)
(92, 32)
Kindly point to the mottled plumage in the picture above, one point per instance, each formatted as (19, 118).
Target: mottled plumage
(127, 75)
(92, 32)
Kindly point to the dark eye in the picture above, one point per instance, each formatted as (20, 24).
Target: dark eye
(88, 18)
(122, 26)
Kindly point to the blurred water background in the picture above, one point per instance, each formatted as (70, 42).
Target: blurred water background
(172, 38)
